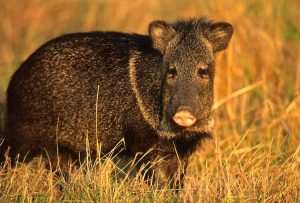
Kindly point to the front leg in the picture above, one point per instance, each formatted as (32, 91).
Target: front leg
(170, 171)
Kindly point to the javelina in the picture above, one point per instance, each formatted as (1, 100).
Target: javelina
(154, 91)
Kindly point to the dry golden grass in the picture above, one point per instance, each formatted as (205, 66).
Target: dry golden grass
(254, 155)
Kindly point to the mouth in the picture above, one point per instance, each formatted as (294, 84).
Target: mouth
(171, 131)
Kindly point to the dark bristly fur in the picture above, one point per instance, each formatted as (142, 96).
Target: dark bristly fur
(52, 97)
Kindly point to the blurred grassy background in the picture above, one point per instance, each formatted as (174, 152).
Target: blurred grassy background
(257, 82)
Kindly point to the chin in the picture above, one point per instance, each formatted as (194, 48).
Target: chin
(170, 130)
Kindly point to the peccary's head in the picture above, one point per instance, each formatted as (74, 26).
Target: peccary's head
(188, 49)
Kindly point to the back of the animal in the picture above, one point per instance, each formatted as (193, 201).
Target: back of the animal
(52, 95)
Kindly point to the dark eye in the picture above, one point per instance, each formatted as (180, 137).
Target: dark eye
(172, 72)
(203, 73)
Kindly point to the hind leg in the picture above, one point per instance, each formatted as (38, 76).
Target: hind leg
(20, 152)
(23, 141)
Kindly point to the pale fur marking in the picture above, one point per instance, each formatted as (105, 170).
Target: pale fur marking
(132, 75)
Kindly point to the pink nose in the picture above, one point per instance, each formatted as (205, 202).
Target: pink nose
(184, 118)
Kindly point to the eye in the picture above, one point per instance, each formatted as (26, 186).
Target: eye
(171, 72)
(203, 72)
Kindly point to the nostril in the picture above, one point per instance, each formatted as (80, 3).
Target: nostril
(184, 118)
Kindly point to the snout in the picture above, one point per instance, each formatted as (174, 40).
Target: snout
(183, 117)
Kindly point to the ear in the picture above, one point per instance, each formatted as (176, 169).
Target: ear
(161, 34)
(219, 35)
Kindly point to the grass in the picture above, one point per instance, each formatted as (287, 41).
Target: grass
(254, 155)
